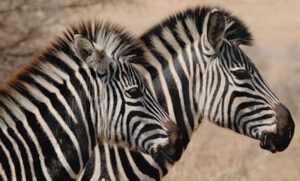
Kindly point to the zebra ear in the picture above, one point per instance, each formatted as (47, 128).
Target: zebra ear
(213, 33)
(86, 51)
(83, 46)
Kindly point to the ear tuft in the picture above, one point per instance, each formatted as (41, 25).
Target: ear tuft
(215, 29)
(83, 46)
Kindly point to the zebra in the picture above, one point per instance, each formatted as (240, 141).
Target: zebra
(80, 92)
(197, 70)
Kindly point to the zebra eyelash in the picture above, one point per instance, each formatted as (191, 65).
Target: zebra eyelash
(241, 74)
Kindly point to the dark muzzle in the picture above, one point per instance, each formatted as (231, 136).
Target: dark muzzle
(285, 131)
(172, 151)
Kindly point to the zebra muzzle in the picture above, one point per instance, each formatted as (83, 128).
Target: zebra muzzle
(280, 140)
(172, 151)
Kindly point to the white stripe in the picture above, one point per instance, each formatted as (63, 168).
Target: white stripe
(146, 74)
(191, 25)
(2, 173)
(218, 96)
(152, 142)
(182, 34)
(108, 163)
(135, 133)
(97, 164)
(122, 175)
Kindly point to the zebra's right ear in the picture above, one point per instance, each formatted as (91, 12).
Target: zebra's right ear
(213, 32)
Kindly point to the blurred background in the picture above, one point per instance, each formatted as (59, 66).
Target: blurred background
(27, 26)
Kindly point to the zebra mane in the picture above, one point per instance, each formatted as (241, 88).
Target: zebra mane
(117, 43)
(112, 38)
(192, 22)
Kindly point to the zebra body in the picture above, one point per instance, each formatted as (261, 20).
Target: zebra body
(197, 70)
(79, 93)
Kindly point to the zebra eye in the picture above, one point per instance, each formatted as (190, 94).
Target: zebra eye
(241, 74)
(134, 93)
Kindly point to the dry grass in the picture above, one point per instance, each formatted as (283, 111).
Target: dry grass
(214, 153)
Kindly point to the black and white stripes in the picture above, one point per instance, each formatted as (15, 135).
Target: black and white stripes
(196, 69)
(79, 93)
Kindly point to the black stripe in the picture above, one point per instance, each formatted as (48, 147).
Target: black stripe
(4, 161)
(113, 163)
(24, 155)
(13, 154)
(90, 168)
(126, 165)
(144, 166)
(104, 172)
(214, 94)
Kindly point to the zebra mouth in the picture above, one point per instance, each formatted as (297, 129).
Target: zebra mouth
(267, 143)
(170, 152)
(277, 142)
(164, 155)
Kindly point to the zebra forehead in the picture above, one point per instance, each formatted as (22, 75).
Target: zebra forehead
(192, 21)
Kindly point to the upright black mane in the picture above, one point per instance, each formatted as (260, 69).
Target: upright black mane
(237, 32)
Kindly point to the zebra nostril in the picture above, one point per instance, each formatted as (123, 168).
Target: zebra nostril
(291, 133)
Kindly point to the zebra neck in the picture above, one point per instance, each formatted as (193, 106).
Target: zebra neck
(48, 108)
(175, 80)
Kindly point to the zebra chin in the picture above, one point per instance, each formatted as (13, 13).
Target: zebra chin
(280, 140)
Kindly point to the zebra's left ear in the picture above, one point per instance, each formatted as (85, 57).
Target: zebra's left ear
(83, 46)
(213, 32)
(95, 59)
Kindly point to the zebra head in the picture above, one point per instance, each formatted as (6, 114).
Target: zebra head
(235, 94)
(129, 114)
